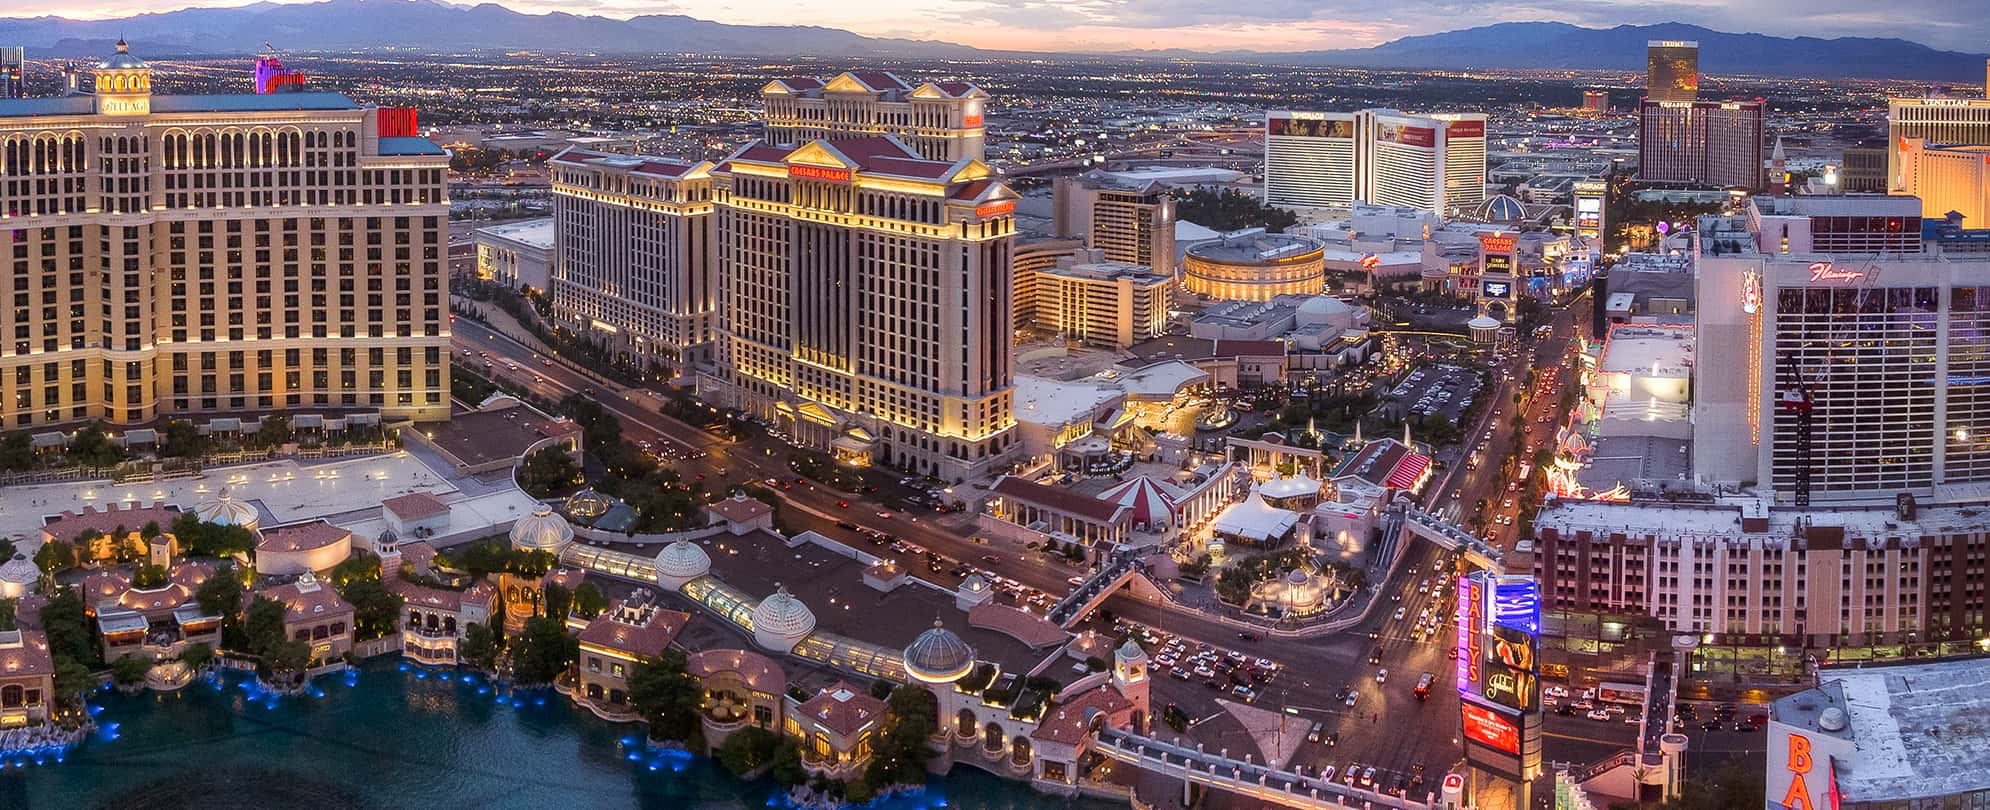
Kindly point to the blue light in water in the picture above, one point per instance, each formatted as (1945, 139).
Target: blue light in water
(655, 765)
(483, 690)
(96, 710)
(317, 693)
(629, 740)
(635, 756)
(677, 767)
(771, 801)
(469, 679)
(539, 702)
(420, 675)
(518, 702)
(404, 667)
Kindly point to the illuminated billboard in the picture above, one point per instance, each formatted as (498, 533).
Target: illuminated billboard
(1499, 289)
(1386, 132)
(1470, 602)
(1489, 728)
(1309, 128)
(1497, 263)
(1517, 604)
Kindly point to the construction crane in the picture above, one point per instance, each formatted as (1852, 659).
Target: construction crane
(1797, 397)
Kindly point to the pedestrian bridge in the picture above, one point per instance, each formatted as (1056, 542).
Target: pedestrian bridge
(1435, 529)
(1094, 590)
(1240, 776)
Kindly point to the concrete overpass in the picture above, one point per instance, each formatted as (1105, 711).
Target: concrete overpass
(1407, 516)
(1195, 766)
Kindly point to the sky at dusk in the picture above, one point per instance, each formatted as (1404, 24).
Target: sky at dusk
(1267, 25)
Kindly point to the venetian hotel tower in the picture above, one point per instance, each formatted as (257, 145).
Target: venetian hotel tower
(217, 254)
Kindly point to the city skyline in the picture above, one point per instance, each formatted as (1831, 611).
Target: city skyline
(1104, 26)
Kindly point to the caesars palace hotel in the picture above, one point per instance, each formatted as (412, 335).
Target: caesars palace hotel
(216, 254)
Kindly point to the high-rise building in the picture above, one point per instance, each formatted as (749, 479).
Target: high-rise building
(1595, 102)
(865, 302)
(1949, 121)
(217, 254)
(1704, 143)
(1835, 301)
(1436, 163)
(1132, 221)
(1101, 303)
(1863, 170)
(1672, 71)
(632, 257)
(13, 72)
(1947, 178)
(939, 120)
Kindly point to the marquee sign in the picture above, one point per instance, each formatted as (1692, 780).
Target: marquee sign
(1486, 727)
(1498, 243)
(1826, 271)
(807, 172)
(1751, 292)
(995, 209)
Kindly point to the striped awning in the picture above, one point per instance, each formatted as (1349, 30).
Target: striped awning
(1408, 471)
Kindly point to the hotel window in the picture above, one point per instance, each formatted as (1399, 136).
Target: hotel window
(593, 664)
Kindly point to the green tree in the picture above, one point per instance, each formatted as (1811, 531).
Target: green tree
(375, 610)
(478, 647)
(1231, 210)
(262, 626)
(274, 431)
(786, 763)
(221, 595)
(881, 688)
(150, 530)
(547, 473)
(197, 657)
(72, 679)
(285, 658)
(182, 440)
(148, 576)
(17, 452)
(130, 670)
(899, 753)
(362, 565)
(747, 749)
(55, 557)
(588, 601)
(558, 601)
(9, 618)
(93, 448)
(667, 696)
(67, 628)
(1735, 784)
(543, 650)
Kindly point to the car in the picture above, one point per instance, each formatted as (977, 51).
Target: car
(1555, 691)
(1234, 655)
(1452, 653)
(1711, 725)
(1333, 739)
(1075, 581)
(1247, 636)
(1243, 691)
(1584, 705)
(1353, 770)
(1266, 664)
(1565, 710)
(991, 558)
(1375, 657)
(1382, 675)
(1342, 694)
(1743, 727)
(1352, 697)
(1400, 612)
(1327, 773)
(1368, 777)
(1178, 674)
(884, 515)
(1598, 714)
(839, 504)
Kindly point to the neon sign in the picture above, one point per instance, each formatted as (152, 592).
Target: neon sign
(808, 172)
(1826, 271)
(1486, 727)
(970, 121)
(1800, 763)
(996, 209)
(1497, 243)
(1751, 292)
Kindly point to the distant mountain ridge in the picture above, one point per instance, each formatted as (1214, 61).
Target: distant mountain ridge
(438, 26)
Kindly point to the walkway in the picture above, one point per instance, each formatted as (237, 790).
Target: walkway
(1101, 584)
(1242, 777)
(1435, 529)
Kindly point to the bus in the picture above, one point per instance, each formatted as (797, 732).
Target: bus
(1423, 686)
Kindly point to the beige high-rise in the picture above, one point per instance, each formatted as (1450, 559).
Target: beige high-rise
(217, 255)
(939, 120)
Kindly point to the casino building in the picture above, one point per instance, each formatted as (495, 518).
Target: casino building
(938, 120)
(1252, 265)
(1435, 163)
(865, 302)
(218, 254)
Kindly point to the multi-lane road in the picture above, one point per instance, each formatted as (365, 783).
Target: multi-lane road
(1387, 727)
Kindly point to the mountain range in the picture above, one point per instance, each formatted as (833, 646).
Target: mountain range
(431, 25)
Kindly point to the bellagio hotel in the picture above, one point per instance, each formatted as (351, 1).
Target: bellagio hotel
(216, 255)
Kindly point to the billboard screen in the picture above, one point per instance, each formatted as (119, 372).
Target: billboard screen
(1497, 263)
(1517, 604)
(1309, 128)
(1499, 289)
(1489, 728)
(1465, 129)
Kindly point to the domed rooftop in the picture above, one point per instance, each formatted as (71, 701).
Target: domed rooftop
(1323, 305)
(223, 509)
(782, 616)
(682, 560)
(1500, 208)
(1295, 485)
(541, 531)
(122, 60)
(938, 656)
(19, 571)
(1130, 651)
(1484, 322)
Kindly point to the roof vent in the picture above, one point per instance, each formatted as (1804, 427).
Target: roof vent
(1833, 719)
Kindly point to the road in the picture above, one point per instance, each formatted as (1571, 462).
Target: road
(1387, 728)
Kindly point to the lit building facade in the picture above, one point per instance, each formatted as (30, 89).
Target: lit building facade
(1672, 70)
(518, 255)
(865, 302)
(1255, 266)
(1951, 121)
(1032, 257)
(632, 265)
(1889, 336)
(1105, 304)
(938, 120)
(1435, 163)
(13, 69)
(1133, 222)
(1947, 178)
(1707, 143)
(217, 254)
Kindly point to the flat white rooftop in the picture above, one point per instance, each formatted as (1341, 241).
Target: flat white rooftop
(1045, 401)
(534, 232)
(1921, 730)
(1649, 351)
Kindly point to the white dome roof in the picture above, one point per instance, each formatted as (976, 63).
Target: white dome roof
(1484, 322)
(781, 615)
(938, 656)
(1323, 305)
(682, 560)
(541, 531)
(224, 510)
(19, 571)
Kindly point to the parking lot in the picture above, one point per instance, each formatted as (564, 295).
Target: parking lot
(1447, 390)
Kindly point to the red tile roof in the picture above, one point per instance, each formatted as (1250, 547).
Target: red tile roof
(880, 80)
(909, 167)
(758, 671)
(1250, 348)
(615, 630)
(739, 509)
(1061, 500)
(415, 506)
(301, 537)
(1068, 724)
(955, 89)
(482, 593)
(758, 152)
(865, 150)
(28, 658)
(662, 168)
(972, 190)
(802, 83)
(842, 709)
(71, 524)
(318, 601)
